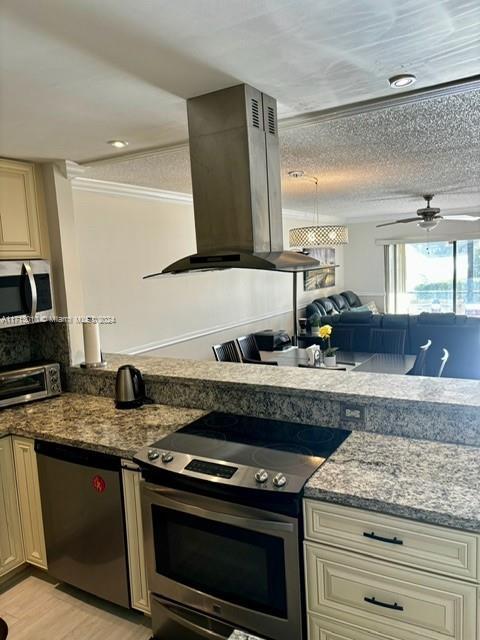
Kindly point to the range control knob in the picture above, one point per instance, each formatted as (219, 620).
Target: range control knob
(152, 454)
(261, 476)
(279, 480)
(167, 457)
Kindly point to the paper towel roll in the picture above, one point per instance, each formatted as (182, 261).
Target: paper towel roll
(91, 343)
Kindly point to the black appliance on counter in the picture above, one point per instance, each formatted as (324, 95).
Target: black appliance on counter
(272, 340)
(223, 526)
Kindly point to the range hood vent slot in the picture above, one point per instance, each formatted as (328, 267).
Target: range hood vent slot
(255, 113)
(272, 125)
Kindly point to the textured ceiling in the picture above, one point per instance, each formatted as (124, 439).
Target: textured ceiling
(369, 165)
(76, 73)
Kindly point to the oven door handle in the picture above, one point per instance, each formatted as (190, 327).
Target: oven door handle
(218, 516)
(33, 289)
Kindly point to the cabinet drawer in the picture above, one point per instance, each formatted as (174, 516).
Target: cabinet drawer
(422, 546)
(401, 603)
(321, 628)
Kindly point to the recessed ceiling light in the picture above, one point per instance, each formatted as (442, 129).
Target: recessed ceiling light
(298, 173)
(118, 144)
(402, 80)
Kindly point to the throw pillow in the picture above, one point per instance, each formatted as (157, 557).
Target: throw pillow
(370, 306)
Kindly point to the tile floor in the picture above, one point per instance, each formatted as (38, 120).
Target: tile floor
(37, 608)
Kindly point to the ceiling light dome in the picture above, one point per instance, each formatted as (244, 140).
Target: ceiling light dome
(428, 225)
(118, 144)
(402, 80)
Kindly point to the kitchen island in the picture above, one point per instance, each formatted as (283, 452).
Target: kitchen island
(414, 407)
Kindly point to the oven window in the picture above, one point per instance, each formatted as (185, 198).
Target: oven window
(240, 566)
(13, 387)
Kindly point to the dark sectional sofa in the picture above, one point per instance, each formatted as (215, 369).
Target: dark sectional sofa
(460, 335)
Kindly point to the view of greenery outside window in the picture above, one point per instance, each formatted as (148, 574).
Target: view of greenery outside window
(438, 277)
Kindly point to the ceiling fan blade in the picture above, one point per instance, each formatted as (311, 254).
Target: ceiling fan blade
(388, 224)
(463, 218)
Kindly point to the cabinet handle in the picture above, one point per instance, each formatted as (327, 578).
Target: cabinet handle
(385, 605)
(373, 536)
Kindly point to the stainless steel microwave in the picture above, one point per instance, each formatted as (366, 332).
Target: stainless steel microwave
(25, 292)
(24, 383)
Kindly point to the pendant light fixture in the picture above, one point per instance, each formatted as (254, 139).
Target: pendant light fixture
(328, 235)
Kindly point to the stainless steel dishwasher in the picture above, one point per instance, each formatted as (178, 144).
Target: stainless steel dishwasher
(84, 520)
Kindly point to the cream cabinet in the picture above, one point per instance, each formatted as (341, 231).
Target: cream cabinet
(139, 594)
(22, 214)
(11, 543)
(29, 500)
(381, 577)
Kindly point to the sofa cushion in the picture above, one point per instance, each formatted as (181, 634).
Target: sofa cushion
(328, 305)
(436, 318)
(340, 303)
(395, 321)
(352, 298)
(356, 317)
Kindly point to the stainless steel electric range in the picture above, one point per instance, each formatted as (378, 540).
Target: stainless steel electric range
(223, 525)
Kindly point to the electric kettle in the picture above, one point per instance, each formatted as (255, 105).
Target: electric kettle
(129, 388)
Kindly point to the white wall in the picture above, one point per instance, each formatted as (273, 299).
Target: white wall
(124, 237)
(364, 263)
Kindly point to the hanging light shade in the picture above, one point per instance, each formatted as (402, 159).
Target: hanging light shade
(328, 235)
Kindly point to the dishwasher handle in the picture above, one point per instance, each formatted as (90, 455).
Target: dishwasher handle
(77, 455)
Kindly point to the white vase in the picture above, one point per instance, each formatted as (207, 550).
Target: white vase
(315, 331)
(330, 361)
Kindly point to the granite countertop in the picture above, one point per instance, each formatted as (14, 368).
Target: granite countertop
(92, 422)
(443, 391)
(426, 481)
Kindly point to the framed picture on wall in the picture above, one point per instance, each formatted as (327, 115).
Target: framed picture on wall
(320, 278)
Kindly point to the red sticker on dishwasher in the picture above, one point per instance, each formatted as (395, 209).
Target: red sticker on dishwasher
(99, 484)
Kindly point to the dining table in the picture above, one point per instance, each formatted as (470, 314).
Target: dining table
(391, 363)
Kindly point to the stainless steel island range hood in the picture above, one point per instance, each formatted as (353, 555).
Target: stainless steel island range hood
(235, 161)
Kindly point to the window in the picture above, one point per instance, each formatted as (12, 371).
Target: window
(434, 276)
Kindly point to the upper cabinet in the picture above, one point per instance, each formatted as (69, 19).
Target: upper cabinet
(22, 215)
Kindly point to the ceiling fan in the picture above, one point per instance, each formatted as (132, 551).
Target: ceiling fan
(430, 217)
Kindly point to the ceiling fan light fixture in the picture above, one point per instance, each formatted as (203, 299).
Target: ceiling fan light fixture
(402, 80)
(428, 225)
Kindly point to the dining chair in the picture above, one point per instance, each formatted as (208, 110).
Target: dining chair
(226, 352)
(419, 365)
(443, 362)
(249, 351)
(342, 338)
(388, 341)
(3, 629)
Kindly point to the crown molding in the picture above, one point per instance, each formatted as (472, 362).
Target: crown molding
(147, 193)
(130, 190)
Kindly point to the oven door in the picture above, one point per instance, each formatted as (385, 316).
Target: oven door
(235, 563)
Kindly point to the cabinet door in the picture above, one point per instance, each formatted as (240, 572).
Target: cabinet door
(29, 500)
(11, 543)
(139, 593)
(20, 225)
